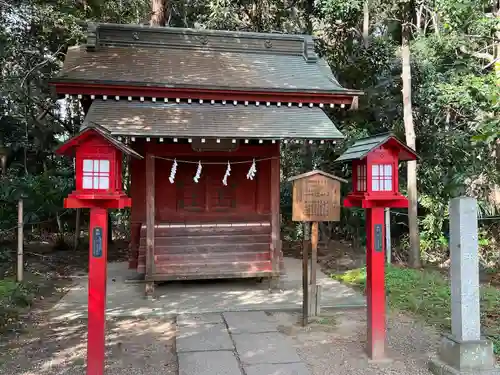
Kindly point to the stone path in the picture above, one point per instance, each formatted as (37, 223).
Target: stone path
(201, 297)
(235, 343)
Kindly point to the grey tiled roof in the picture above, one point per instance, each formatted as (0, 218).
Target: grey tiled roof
(172, 57)
(210, 120)
(363, 146)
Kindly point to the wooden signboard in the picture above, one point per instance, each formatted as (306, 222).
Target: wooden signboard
(316, 197)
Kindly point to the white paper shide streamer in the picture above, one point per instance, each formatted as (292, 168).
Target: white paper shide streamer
(252, 171)
(226, 175)
(196, 178)
(173, 171)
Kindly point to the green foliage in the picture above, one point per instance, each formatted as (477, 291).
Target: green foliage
(426, 294)
(454, 91)
(14, 298)
(43, 196)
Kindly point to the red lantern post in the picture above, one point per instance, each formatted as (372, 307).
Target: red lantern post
(375, 186)
(98, 187)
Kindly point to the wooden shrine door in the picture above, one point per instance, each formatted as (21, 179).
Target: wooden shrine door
(210, 198)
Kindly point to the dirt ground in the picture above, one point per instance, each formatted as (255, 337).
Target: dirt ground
(33, 346)
(336, 256)
(133, 347)
(334, 343)
(331, 344)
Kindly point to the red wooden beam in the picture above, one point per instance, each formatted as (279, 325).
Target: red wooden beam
(97, 291)
(275, 215)
(375, 283)
(185, 150)
(82, 88)
(150, 224)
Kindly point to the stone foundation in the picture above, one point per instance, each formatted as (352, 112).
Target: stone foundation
(464, 357)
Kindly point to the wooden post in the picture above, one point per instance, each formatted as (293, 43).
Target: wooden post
(305, 286)
(275, 218)
(314, 264)
(316, 197)
(97, 291)
(150, 223)
(20, 241)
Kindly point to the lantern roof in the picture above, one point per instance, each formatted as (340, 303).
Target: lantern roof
(314, 172)
(362, 147)
(68, 147)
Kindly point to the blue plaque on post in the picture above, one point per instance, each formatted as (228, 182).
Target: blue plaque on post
(97, 242)
(378, 238)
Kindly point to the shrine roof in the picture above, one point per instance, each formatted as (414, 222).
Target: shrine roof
(183, 120)
(137, 55)
(362, 147)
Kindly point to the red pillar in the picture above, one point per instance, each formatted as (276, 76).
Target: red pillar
(97, 291)
(375, 283)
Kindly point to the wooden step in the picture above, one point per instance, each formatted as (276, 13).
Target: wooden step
(210, 257)
(212, 276)
(212, 248)
(208, 240)
(209, 230)
(214, 268)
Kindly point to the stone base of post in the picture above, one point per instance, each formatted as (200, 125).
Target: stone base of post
(315, 300)
(457, 357)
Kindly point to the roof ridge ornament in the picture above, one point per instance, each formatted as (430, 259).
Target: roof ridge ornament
(92, 37)
(309, 53)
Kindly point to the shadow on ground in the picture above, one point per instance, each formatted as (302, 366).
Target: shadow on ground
(133, 346)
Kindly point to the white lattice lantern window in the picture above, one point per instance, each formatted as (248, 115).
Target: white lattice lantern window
(382, 177)
(96, 174)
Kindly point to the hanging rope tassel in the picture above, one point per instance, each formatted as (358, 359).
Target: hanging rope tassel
(252, 171)
(173, 171)
(226, 175)
(196, 178)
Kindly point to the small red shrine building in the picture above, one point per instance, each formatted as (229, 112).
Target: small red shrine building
(207, 111)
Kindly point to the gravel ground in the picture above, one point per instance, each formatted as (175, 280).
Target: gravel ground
(334, 344)
(133, 347)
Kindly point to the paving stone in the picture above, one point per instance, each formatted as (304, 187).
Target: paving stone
(208, 363)
(262, 348)
(249, 322)
(203, 337)
(278, 369)
(197, 319)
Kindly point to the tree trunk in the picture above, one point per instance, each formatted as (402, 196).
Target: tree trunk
(414, 251)
(309, 16)
(420, 14)
(366, 23)
(496, 53)
(158, 13)
(496, 12)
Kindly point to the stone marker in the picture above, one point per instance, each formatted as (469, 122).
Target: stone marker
(464, 351)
